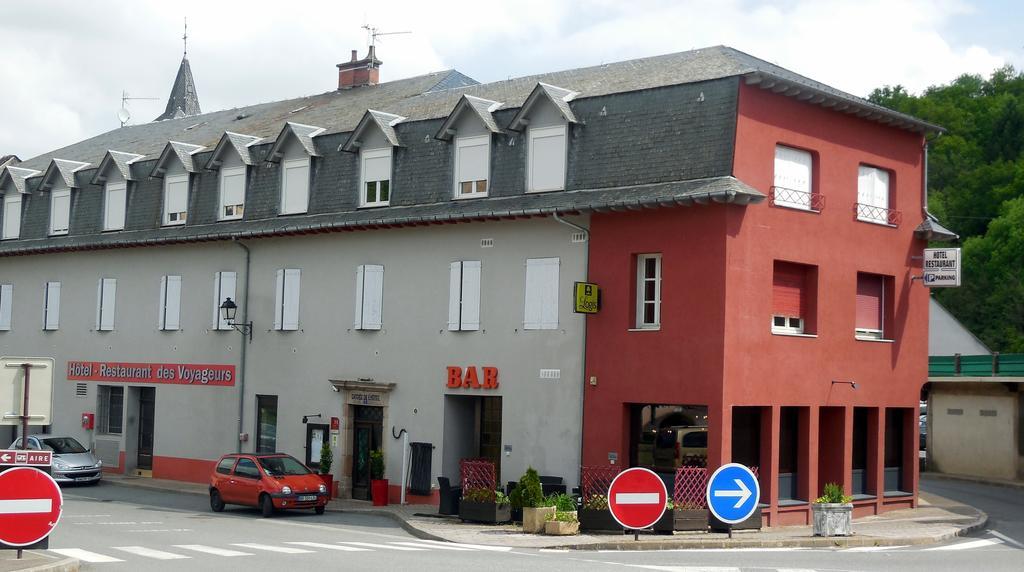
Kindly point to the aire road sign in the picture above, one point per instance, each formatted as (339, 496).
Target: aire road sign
(733, 493)
(30, 506)
(637, 498)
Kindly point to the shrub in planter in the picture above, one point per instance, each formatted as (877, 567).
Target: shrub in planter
(485, 505)
(532, 498)
(594, 514)
(326, 460)
(378, 484)
(833, 512)
(562, 524)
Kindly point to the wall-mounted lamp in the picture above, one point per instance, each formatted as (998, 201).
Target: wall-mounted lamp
(306, 418)
(852, 383)
(228, 311)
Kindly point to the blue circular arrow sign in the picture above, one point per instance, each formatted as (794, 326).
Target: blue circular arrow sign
(733, 493)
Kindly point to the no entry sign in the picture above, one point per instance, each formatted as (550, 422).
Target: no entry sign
(637, 498)
(30, 506)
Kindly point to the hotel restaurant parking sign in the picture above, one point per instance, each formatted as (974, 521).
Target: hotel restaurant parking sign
(942, 267)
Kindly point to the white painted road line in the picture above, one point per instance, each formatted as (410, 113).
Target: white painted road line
(1006, 539)
(873, 548)
(968, 545)
(470, 546)
(329, 546)
(85, 555)
(212, 550)
(269, 548)
(440, 546)
(637, 498)
(686, 568)
(150, 553)
(25, 506)
(384, 546)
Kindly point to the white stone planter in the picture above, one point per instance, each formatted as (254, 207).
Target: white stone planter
(534, 518)
(832, 519)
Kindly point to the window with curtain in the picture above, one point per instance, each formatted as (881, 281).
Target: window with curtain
(793, 173)
(873, 195)
(870, 306)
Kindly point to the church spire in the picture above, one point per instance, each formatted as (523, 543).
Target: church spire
(183, 100)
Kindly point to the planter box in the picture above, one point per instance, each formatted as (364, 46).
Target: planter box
(832, 519)
(379, 491)
(534, 518)
(666, 524)
(752, 523)
(487, 512)
(690, 520)
(558, 528)
(597, 519)
(328, 480)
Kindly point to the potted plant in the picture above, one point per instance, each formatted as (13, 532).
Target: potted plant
(833, 512)
(485, 505)
(531, 497)
(594, 514)
(562, 524)
(378, 484)
(326, 460)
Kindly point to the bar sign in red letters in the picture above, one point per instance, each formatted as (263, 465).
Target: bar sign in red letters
(166, 373)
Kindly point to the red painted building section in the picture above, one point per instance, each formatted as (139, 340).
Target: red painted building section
(771, 398)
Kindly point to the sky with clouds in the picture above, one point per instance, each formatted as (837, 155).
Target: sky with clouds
(65, 63)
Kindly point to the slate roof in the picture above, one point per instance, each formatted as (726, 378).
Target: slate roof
(384, 121)
(123, 162)
(240, 143)
(183, 101)
(680, 193)
(183, 151)
(303, 133)
(17, 175)
(434, 96)
(66, 169)
(558, 96)
(483, 108)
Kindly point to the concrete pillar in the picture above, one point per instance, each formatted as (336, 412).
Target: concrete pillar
(875, 471)
(808, 476)
(910, 447)
(720, 436)
(768, 476)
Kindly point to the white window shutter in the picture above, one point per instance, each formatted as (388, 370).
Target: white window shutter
(549, 311)
(279, 300)
(161, 317)
(232, 188)
(6, 304)
(455, 297)
(471, 295)
(171, 290)
(108, 297)
(357, 322)
(532, 315)
(51, 312)
(373, 296)
(541, 294)
(473, 158)
(223, 288)
(290, 307)
(12, 215)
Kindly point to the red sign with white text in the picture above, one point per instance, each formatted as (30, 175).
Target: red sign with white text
(26, 457)
(165, 373)
(30, 506)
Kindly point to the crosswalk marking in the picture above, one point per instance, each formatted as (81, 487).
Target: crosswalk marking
(968, 545)
(150, 553)
(85, 555)
(384, 546)
(212, 550)
(464, 545)
(329, 546)
(269, 548)
(439, 546)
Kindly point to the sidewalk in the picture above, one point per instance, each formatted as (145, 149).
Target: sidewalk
(36, 561)
(936, 520)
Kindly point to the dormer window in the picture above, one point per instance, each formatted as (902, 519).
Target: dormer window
(375, 167)
(472, 165)
(60, 210)
(294, 149)
(12, 215)
(175, 199)
(295, 186)
(114, 172)
(232, 192)
(115, 201)
(59, 179)
(230, 158)
(546, 149)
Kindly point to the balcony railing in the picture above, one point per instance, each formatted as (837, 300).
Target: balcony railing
(879, 215)
(794, 199)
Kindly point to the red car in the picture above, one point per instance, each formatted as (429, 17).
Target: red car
(268, 481)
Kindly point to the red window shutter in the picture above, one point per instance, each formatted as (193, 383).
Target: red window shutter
(869, 301)
(789, 290)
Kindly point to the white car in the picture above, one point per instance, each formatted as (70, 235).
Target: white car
(72, 463)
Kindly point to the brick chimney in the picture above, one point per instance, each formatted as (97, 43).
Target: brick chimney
(357, 73)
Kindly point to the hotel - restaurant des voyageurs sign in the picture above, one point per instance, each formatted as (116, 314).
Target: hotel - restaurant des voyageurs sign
(162, 373)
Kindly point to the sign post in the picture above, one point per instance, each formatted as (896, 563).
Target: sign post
(636, 499)
(732, 494)
(30, 506)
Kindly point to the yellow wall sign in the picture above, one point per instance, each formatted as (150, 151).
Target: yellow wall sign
(586, 298)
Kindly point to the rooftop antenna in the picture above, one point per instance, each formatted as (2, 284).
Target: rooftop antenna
(184, 39)
(372, 33)
(123, 115)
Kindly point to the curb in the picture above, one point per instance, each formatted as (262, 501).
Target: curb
(64, 565)
(405, 524)
(143, 485)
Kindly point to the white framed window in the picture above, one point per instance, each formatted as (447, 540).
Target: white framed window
(232, 193)
(375, 170)
(873, 195)
(286, 299)
(792, 297)
(464, 296)
(541, 294)
(115, 202)
(870, 306)
(6, 306)
(369, 297)
(60, 211)
(106, 295)
(12, 215)
(51, 306)
(472, 166)
(294, 186)
(169, 317)
(223, 288)
(648, 291)
(546, 159)
(175, 199)
(793, 176)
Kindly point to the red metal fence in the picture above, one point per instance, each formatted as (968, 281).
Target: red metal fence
(477, 474)
(691, 487)
(597, 480)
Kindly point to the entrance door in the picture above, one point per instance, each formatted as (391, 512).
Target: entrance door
(490, 432)
(366, 437)
(147, 404)
(316, 436)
